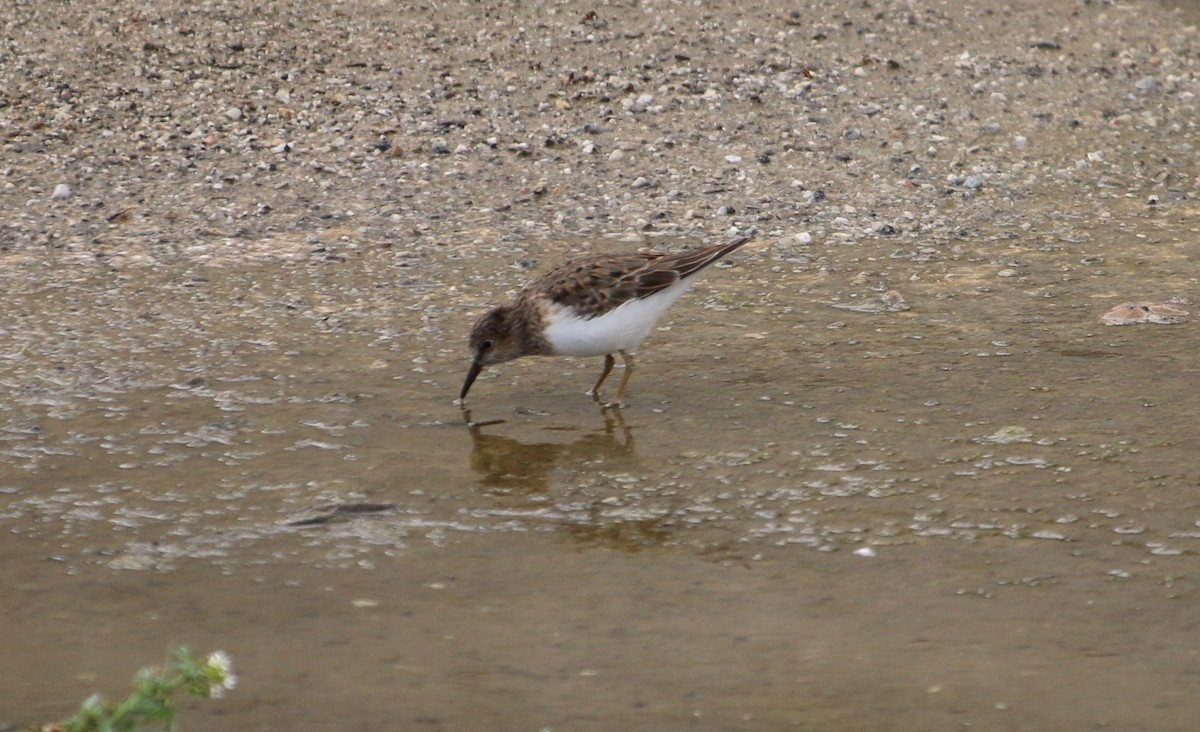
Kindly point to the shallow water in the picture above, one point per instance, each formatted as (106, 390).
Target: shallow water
(979, 511)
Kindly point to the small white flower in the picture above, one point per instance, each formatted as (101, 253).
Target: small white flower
(219, 669)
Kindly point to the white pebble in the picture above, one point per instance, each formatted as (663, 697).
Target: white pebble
(62, 190)
(865, 551)
(233, 113)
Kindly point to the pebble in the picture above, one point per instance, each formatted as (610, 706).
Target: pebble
(640, 182)
(1143, 311)
(61, 191)
(234, 113)
(800, 239)
(893, 300)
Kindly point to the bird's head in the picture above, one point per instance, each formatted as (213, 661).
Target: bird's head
(492, 341)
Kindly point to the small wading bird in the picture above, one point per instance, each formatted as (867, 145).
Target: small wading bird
(594, 305)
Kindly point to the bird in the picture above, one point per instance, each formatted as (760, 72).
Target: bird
(591, 305)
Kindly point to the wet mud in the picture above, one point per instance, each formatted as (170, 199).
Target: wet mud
(806, 516)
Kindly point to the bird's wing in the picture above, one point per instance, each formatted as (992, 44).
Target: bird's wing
(671, 268)
(595, 284)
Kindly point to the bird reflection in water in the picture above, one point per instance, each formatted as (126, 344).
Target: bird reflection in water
(510, 468)
(507, 465)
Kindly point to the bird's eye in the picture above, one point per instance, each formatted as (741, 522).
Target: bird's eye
(486, 345)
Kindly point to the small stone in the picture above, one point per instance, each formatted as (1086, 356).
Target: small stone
(640, 182)
(733, 159)
(61, 191)
(234, 113)
(973, 182)
(726, 211)
(616, 155)
(1142, 311)
(1146, 83)
(283, 96)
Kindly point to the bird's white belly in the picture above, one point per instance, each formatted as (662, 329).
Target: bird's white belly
(620, 329)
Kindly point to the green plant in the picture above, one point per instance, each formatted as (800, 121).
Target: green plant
(151, 705)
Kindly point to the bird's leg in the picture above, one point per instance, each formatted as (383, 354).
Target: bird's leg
(608, 367)
(615, 402)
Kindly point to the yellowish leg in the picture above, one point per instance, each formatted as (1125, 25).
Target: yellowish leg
(608, 367)
(616, 400)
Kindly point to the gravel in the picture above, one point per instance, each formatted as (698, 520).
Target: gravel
(135, 132)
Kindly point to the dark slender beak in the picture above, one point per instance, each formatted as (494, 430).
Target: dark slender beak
(476, 367)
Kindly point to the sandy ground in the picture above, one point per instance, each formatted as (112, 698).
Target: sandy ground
(159, 132)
